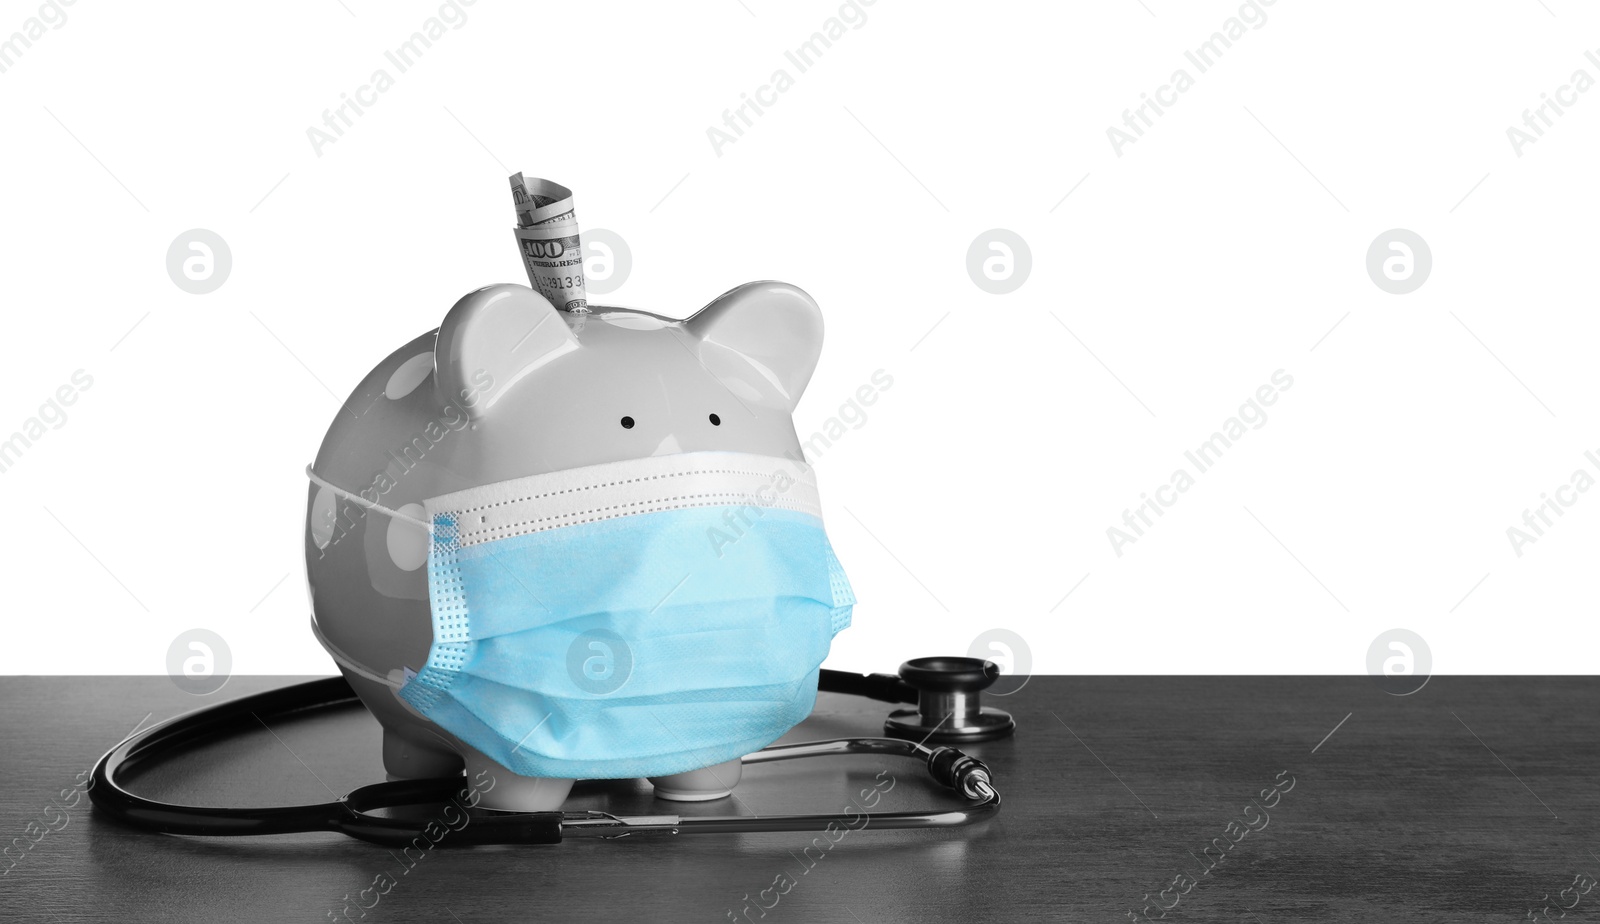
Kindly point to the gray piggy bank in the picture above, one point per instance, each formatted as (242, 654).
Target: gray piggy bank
(506, 387)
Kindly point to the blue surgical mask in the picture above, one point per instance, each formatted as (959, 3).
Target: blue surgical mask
(631, 619)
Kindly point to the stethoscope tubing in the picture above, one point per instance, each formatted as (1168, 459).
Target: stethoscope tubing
(353, 815)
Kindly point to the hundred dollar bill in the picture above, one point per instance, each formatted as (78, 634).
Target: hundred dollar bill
(549, 241)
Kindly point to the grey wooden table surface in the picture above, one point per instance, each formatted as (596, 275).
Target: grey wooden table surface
(1471, 800)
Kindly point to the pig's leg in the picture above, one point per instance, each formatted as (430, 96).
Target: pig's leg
(701, 785)
(501, 789)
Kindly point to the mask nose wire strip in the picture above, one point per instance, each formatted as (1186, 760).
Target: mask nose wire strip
(363, 502)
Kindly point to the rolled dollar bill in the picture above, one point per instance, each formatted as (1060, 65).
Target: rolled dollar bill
(549, 241)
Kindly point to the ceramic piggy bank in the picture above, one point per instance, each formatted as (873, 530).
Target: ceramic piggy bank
(510, 392)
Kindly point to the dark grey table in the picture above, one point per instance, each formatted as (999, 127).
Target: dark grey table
(1471, 800)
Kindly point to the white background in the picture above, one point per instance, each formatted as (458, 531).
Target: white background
(1226, 244)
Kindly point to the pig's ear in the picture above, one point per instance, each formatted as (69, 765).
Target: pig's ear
(492, 338)
(763, 335)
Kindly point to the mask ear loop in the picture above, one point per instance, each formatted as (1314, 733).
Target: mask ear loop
(356, 666)
(332, 649)
(363, 502)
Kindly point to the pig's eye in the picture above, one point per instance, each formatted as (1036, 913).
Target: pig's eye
(716, 421)
(627, 423)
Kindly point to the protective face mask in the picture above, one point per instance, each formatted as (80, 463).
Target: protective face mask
(631, 619)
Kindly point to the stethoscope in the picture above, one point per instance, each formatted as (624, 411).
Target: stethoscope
(946, 692)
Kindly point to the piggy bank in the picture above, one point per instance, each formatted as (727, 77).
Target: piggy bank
(507, 387)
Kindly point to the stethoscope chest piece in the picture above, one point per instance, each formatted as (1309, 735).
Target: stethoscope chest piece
(948, 707)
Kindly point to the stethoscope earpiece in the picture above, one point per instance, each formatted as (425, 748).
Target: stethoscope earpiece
(949, 710)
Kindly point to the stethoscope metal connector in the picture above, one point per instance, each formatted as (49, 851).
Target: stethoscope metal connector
(948, 707)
